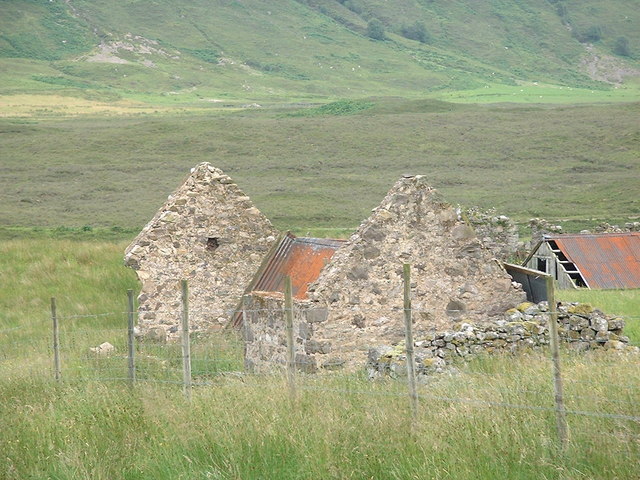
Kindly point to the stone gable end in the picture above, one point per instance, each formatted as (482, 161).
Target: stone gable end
(209, 233)
(454, 278)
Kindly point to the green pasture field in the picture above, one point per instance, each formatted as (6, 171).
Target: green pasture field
(493, 419)
(326, 167)
(536, 93)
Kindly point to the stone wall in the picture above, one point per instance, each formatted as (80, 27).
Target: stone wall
(606, 227)
(209, 233)
(454, 278)
(541, 227)
(498, 233)
(523, 328)
(519, 329)
(264, 331)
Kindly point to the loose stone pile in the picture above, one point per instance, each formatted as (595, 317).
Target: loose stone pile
(606, 227)
(523, 328)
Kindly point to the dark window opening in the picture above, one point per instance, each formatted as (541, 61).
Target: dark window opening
(579, 281)
(212, 244)
(542, 265)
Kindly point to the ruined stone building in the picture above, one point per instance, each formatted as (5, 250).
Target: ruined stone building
(349, 295)
(454, 278)
(207, 232)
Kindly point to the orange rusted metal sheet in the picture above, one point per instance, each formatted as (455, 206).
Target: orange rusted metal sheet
(300, 258)
(606, 260)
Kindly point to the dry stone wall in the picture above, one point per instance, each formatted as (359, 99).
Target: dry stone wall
(606, 227)
(454, 278)
(209, 233)
(519, 329)
(523, 328)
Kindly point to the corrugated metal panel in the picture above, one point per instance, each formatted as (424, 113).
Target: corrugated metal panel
(608, 260)
(533, 282)
(300, 258)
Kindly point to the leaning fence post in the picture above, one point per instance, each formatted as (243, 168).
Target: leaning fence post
(291, 358)
(130, 338)
(186, 345)
(56, 340)
(408, 328)
(561, 419)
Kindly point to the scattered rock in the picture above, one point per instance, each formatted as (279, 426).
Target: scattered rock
(104, 349)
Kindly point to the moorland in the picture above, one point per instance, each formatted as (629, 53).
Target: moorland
(315, 108)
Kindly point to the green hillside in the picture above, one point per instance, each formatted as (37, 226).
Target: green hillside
(289, 50)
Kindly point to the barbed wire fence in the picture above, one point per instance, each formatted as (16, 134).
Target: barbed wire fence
(106, 347)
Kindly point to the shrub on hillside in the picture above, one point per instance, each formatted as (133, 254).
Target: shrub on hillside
(375, 29)
(417, 31)
(590, 35)
(621, 47)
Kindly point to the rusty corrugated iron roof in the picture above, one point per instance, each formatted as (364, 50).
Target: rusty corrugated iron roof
(605, 260)
(301, 258)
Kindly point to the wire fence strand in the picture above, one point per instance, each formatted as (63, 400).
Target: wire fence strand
(221, 355)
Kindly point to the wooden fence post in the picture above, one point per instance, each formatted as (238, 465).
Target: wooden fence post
(131, 338)
(186, 343)
(291, 349)
(408, 328)
(56, 340)
(554, 339)
(244, 336)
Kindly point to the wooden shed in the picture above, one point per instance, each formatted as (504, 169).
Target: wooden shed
(596, 261)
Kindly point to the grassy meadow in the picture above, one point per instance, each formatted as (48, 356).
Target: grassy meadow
(249, 430)
(492, 419)
(326, 167)
(77, 187)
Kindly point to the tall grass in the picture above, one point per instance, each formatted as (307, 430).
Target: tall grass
(473, 425)
(491, 419)
(85, 277)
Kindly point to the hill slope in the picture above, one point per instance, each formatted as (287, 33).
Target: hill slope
(310, 49)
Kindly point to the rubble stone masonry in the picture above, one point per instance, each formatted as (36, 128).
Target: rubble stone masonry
(454, 277)
(209, 233)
